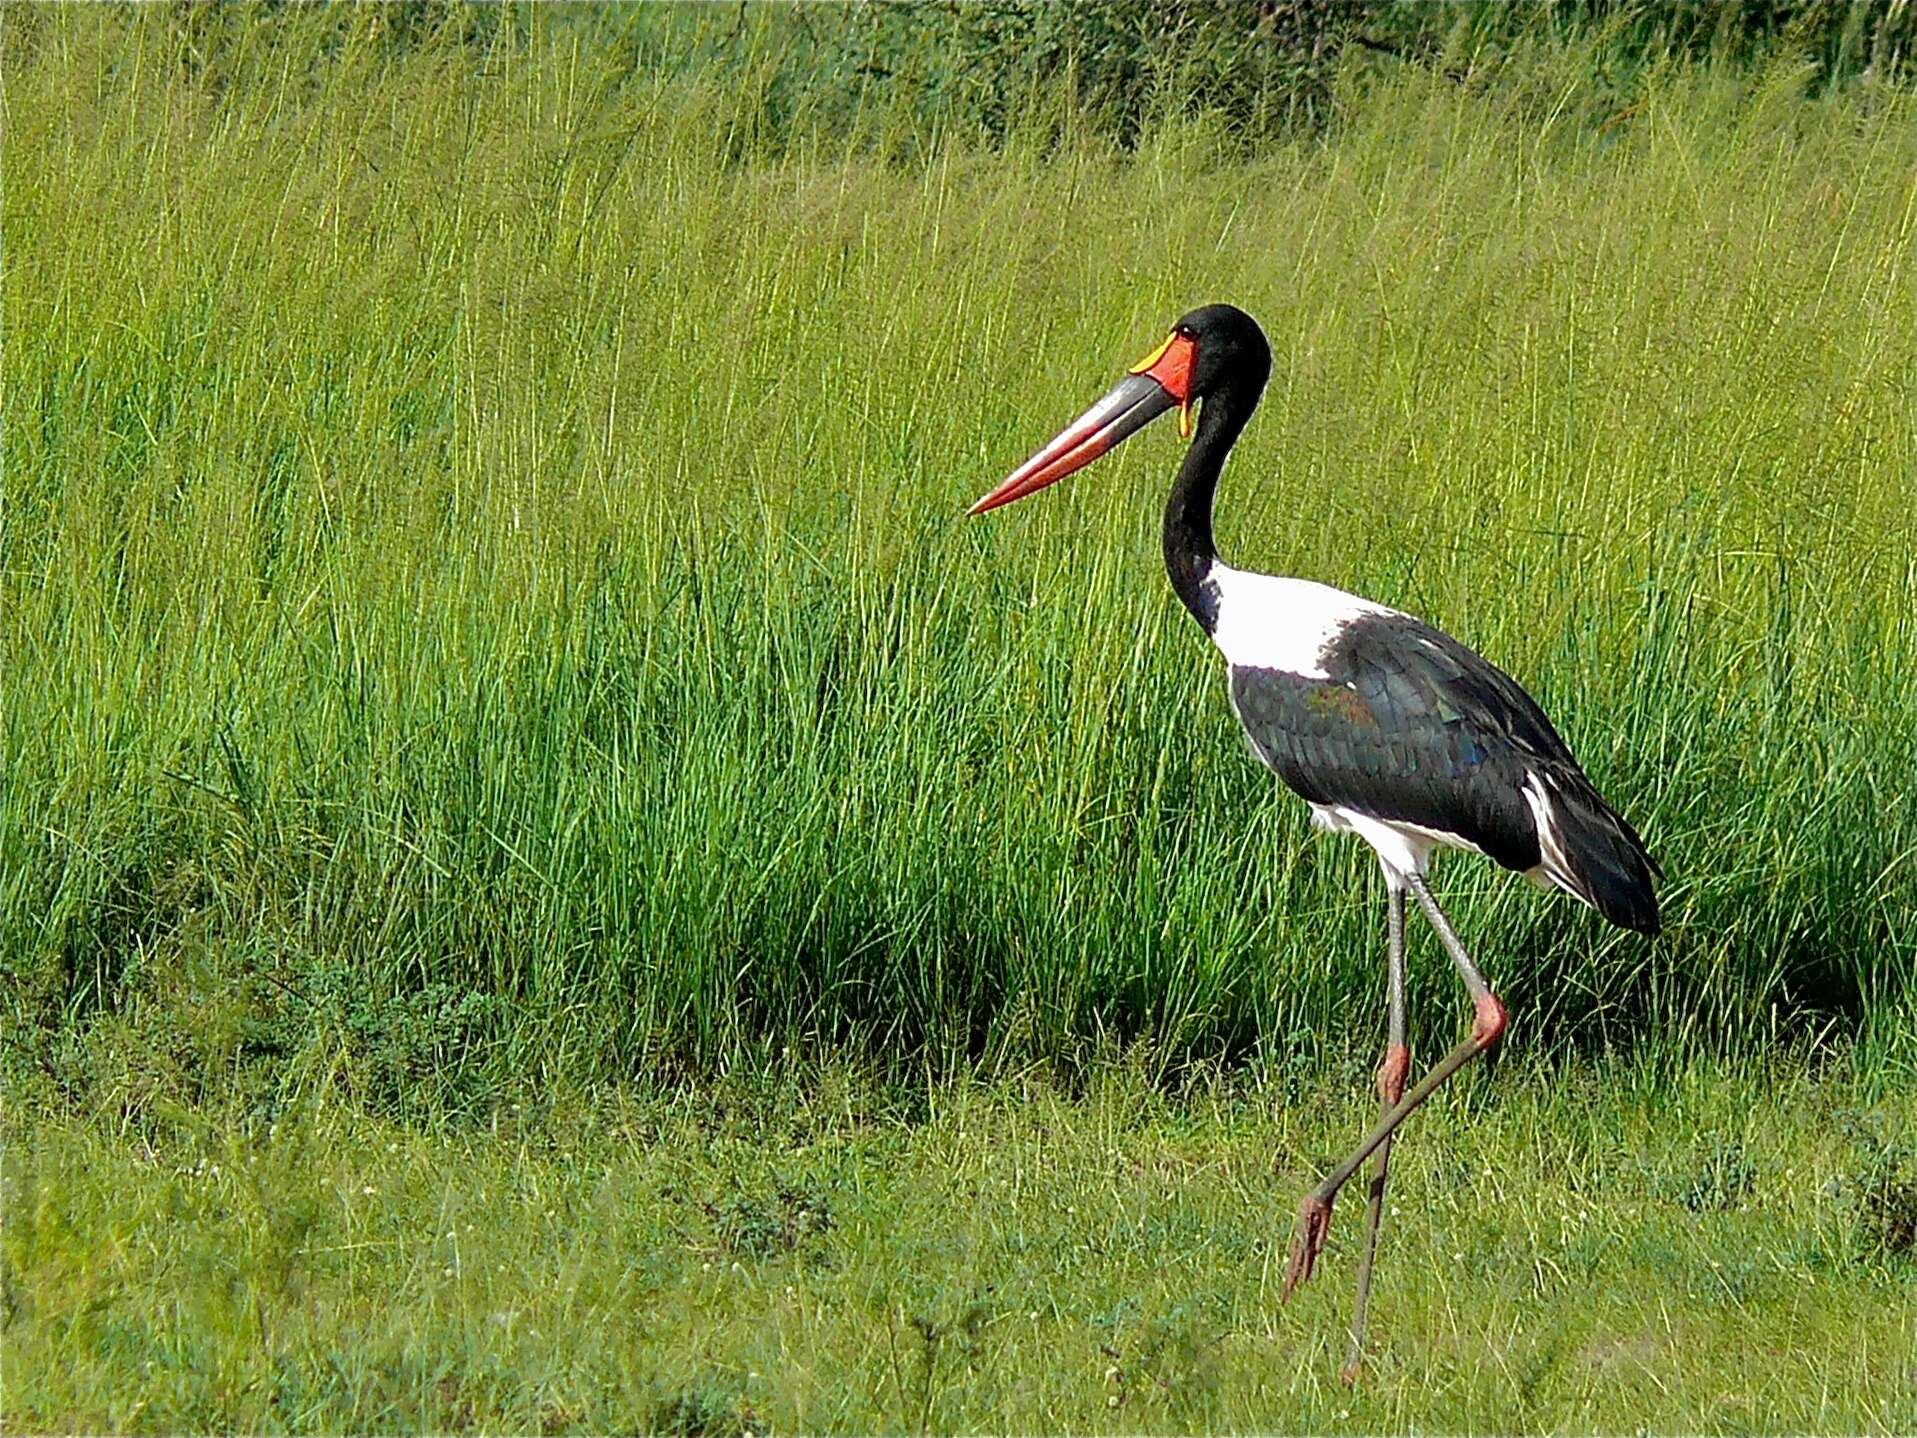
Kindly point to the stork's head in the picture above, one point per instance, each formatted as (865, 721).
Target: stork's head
(1210, 351)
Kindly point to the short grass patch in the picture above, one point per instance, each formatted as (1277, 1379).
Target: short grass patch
(1593, 1248)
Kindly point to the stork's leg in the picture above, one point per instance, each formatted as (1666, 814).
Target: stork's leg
(1314, 1218)
(1391, 1077)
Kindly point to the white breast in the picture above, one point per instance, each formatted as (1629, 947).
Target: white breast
(1268, 622)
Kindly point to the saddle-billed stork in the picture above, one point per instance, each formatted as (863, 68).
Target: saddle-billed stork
(1386, 727)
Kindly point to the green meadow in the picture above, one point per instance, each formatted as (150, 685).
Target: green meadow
(506, 724)
(1588, 1250)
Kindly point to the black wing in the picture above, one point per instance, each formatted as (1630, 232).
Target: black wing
(1410, 725)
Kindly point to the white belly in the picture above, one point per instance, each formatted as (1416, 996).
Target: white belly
(1403, 848)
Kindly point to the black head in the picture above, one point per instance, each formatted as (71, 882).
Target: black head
(1216, 354)
(1229, 351)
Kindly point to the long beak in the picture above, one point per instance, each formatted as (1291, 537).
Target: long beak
(1133, 403)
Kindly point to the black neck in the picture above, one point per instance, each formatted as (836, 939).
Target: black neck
(1190, 551)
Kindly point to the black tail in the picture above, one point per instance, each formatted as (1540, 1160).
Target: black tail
(1592, 850)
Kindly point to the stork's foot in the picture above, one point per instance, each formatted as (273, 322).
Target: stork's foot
(1314, 1223)
(1352, 1371)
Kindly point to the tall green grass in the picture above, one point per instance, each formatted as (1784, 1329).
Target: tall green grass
(486, 595)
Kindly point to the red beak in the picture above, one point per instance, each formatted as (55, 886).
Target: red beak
(1160, 382)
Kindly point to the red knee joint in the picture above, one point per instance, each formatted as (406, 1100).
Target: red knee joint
(1490, 1021)
(1393, 1072)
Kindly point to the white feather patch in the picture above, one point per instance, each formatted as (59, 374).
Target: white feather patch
(1401, 847)
(1555, 863)
(1269, 622)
